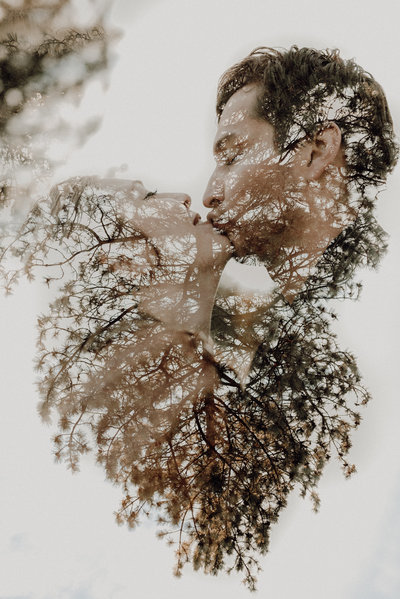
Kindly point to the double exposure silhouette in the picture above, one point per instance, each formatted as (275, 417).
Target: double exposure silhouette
(208, 406)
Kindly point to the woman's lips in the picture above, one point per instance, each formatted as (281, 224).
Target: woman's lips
(193, 216)
(211, 226)
(196, 218)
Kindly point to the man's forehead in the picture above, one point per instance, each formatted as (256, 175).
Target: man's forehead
(240, 106)
(239, 120)
(239, 109)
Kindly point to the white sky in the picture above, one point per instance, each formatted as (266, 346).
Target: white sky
(58, 537)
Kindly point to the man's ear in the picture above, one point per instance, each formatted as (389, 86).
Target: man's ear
(316, 154)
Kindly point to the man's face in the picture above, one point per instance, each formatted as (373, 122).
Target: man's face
(249, 191)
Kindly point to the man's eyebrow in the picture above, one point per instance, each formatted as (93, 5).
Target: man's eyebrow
(220, 144)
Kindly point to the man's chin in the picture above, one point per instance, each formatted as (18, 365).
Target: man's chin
(243, 253)
(255, 256)
(244, 248)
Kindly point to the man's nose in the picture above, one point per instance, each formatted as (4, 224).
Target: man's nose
(214, 193)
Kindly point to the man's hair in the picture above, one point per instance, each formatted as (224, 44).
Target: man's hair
(300, 88)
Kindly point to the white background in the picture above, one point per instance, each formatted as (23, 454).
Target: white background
(58, 537)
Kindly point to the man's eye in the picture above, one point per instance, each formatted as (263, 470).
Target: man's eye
(232, 158)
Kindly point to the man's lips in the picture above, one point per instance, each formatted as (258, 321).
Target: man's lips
(212, 218)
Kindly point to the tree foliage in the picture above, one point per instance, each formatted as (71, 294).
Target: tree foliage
(209, 440)
(208, 448)
(47, 55)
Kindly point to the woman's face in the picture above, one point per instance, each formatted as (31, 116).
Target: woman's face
(166, 219)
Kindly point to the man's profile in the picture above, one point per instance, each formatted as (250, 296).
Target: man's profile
(139, 361)
(302, 136)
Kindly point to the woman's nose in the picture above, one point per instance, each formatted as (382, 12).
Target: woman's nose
(182, 198)
(214, 193)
